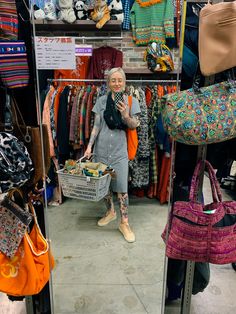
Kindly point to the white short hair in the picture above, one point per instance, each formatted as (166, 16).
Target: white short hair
(112, 71)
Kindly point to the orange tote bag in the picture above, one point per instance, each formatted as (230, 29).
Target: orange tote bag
(132, 137)
(29, 270)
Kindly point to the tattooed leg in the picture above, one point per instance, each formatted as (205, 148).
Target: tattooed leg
(123, 200)
(110, 214)
(109, 202)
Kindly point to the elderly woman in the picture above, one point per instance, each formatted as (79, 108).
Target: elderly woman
(110, 145)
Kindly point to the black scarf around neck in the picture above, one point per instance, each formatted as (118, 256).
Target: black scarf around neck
(112, 115)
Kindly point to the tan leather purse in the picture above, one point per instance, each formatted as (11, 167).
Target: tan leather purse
(217, 37)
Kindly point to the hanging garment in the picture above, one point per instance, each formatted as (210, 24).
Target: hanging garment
(46, 118)
(88, 120)
(126, 10)
(163, 183)
(102, 60)
(73, 116)
(81, 71)
(139, 167)
(152, 22)
(62, 124)
(83, 115)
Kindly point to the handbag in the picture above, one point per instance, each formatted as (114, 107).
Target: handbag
(201, 116)
(31, 137)
(202, 233)
(15, 163)
(159, 58)
(132, 137)
(29, 270)
(14, 221)
(14, 70)
(217, 44)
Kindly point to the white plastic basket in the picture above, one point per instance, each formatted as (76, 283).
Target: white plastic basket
(84, 188)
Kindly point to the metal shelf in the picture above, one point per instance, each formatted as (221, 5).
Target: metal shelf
(147, 71)
(78, 25)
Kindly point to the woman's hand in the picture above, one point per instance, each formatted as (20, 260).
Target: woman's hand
(122, 107)
(88, 152)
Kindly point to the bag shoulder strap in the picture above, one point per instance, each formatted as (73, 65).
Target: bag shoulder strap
(45, 246)
(130, 98)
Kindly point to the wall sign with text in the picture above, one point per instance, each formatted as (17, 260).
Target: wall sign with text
(53, 53)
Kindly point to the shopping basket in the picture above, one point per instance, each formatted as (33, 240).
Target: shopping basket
(84, 187)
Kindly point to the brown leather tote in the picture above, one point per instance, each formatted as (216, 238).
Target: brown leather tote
(31, 137)
(217, 37)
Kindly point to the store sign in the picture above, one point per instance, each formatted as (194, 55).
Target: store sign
(55, 53)
(83, 50)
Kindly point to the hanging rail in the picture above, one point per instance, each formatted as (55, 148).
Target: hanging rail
(104, 80)
(98, 38)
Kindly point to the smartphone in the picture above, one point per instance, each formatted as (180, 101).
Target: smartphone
(119, 96)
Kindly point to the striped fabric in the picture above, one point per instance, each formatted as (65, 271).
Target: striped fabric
(14, 70)
(8, 20)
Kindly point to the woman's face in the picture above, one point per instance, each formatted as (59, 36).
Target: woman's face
(116, 82)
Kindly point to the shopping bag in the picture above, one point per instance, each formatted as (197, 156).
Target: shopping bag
(217, 44)
(29, 270)
(203, 116)
(202, 233)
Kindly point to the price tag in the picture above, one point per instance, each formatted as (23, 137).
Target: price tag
(83, 50)
(53, 53)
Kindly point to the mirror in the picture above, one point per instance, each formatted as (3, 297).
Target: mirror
(96, 269)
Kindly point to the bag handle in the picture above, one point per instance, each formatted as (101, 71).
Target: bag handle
(39, 233)
(216, 192)
(8, 113)
(198, 79)
(16, 112)
(130, 102)
(79, 161)
(16, 196)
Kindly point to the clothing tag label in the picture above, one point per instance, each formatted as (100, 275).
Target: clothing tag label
(209, 211)
(83, 50)
(55, 53)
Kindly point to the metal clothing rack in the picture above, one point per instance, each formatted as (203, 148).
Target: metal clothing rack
(98, 38)
(104, 80)
(190, 267)
(201, 155)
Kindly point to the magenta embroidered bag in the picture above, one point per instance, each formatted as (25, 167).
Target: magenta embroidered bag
(202, 233)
